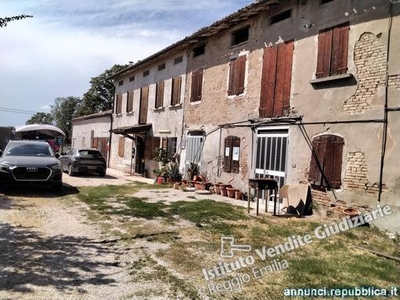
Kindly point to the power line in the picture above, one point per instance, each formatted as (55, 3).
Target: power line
(18, 111)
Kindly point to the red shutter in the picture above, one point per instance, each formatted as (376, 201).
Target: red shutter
(268, 82)
(324, 54)
(144, 101)
(287, 78)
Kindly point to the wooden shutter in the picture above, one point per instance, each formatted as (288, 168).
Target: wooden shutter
(129, 104)
(283, 79)
(197, 85)
(317, 160)
(228, 154)
(237, 71)
(121, 147)
(268, 82)
(232, 77)
(95, 143)
(235, 158)
(159, 94)
(176, 90)
(144, 102)
(118, 104)
(151, 143)
(342, 49)
(324, 54)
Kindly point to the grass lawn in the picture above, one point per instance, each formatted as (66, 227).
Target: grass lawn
(188, 265)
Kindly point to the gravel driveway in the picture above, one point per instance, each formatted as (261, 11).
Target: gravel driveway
(49, 249)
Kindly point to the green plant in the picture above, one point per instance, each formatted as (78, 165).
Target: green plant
(173, 173)
(161, 156)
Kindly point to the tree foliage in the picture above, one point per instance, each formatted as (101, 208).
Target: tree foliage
(63, 111)
(100, 95)
(4, 21)
(40, 118)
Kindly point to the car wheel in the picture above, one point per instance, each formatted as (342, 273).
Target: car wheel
(70, 172)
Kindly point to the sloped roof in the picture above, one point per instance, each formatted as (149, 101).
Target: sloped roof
(231, 20)
(106, 113)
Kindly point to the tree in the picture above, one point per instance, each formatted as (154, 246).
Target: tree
(63, 111)
(4, 21)
(100, 96)
(40, 118)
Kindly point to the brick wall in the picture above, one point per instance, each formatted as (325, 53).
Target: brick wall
(394, 81)
(370, 60)
(356, 171)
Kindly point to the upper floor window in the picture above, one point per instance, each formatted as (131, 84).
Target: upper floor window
(325, 1)
(199, 50)
(332, 51)
(121, 83)
(146, 73)
(118, 104)
(237, 69)
(132, 78)
(178, 60)
(240, 36)
(282, 16)
(197, 85)
(326, 161)
(161, 67)
(159, 94)
(176, 90)
(129, 102)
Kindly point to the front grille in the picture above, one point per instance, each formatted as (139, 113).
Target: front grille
(31, 173)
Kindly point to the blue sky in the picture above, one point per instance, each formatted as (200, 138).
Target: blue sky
(55, 53)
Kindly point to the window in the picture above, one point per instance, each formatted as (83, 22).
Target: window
(232, 154)
(282, 16)
(151, 144)
(178, 60)
(325, 1)
(132, 78)
(199, 50)
(197, 86)
(146, 73)
(121, 147)
(144, 102)
(240, 36)
(176, 90)
(129, 102)
(121, 83)
(169, 144)
(159, 94)
(161, 67)
(276, 80)
(326, 161)
(332, 51)
(237, 68)
(118, 104)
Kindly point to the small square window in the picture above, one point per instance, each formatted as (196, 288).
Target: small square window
(199, 50)
(121, 83)
(178, 60)
(325, 1)
(146, 73)
(161, 67)
(240, 36)
(282, 16)
(132, 78)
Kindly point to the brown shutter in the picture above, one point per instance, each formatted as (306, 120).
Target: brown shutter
(235, 163)
(228, 158)
(144, 102)
(240, 75)
(317, 160)
(287, 77)
(118, 104)
(197, 85)
(333, 161)
(151, 143)
(268, 82)
(121, 147)
(129, 105)
(343, 49)
(176, 90)
(324, 54)
(159, 94)
(232, 77)
(95, 143)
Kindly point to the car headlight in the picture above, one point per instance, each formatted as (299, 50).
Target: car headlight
(6, 166)
(55, 167)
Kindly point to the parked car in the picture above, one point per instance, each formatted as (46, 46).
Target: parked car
(30, 162)
(83, 161)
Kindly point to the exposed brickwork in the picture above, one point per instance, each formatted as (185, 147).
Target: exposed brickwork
(370, 60)
(394, 81)
(356, 171)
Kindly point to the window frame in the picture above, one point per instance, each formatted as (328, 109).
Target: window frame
(231, 165)
(240, 36)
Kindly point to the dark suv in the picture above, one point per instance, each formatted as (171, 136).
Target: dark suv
(32, 162)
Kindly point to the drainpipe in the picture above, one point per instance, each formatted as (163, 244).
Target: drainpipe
(109, 141)
(385, 123)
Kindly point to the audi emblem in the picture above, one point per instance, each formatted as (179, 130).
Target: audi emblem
(32, 170)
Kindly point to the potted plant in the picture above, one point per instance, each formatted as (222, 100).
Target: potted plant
(238, 195)
(230, 192)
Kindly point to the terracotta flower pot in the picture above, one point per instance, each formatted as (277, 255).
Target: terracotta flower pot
(230, 192)
(238, 195)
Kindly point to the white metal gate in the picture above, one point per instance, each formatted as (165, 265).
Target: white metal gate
(194, 149)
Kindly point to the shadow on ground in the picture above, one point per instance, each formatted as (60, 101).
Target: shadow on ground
(37, 191)
(63, 262)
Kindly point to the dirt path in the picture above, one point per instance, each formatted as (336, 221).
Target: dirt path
(48, 250)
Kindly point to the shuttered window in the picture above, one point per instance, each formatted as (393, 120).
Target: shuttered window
(197, 86)
(95, 143)
(159, 94)
(169, 144)
(326, 161)
(118, 104)
(121, 147)
(237, 69)
(276, 80)
(151, 143)
(176, 90)
(129, 103)
(144, 103)
(232, 154)
(332, 51)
